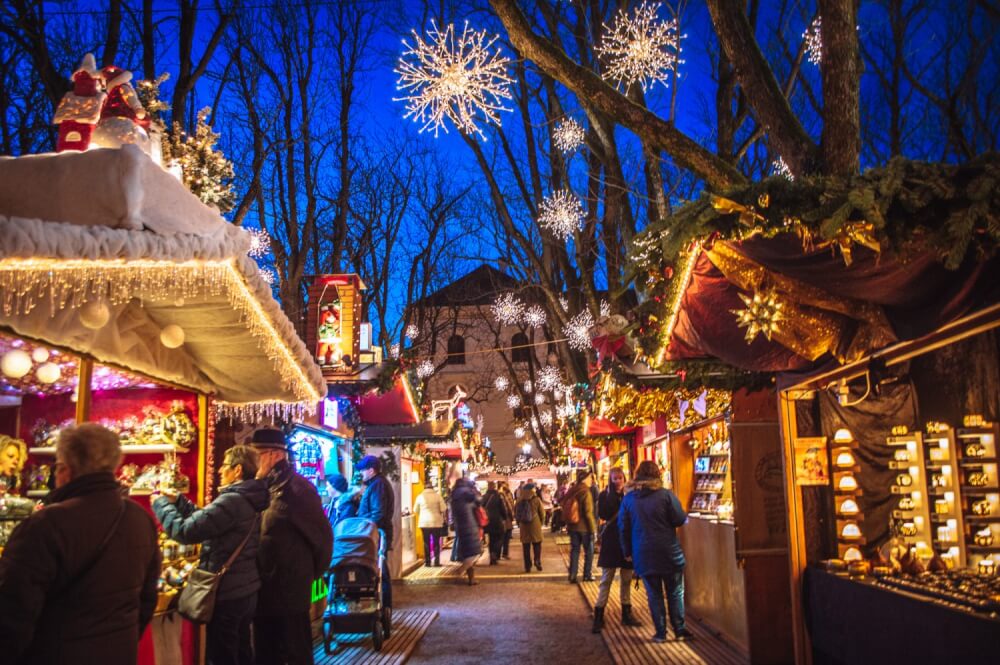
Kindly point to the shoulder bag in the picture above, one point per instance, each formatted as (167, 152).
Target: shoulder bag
(196, 602)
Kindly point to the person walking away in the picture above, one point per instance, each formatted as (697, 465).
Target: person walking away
(296, 543)
(378, 504)
(464, 501)
(546, 498)
(508, 534)
(611, 558)
(530, 516)
(581, 522)
(78, 577)
(557, 514)
(650, 516)
(496, 510)
(230, 522)
(431, 509)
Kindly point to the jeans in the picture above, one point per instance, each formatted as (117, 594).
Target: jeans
(386, 582)
(674, 585)
(432, 544)
(528, 548)
(284, 639)
(624, 586)
(576, 539)
(506, 542)
(228, 633)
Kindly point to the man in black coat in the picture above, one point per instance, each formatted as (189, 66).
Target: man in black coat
(296, 543)
(78, 578)
(378, 504)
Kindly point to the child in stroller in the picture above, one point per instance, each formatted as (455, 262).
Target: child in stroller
(354, 598)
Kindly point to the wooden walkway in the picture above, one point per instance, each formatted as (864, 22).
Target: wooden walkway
(634, 646)
(408, 627)
(508, 571)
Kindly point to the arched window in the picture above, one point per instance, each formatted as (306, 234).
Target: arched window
(456, 350)
(522, 354)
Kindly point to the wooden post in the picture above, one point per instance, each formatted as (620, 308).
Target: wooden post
(796, 531)
(83, 392)
(202, 447)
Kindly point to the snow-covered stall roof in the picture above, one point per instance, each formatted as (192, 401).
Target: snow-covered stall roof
(111, 226)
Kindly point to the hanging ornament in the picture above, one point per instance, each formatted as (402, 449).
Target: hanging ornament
(640, 47)
(568, 136)
(40, 355)
(534, 316)
(813, 37)
(519, 432)
(513, 401)
(412, 331)
(527, 386)
(172, 336)
(507, 309)
(425, 369)
(94, 314)
(577, 330)
(459, 77)
(48, 373)
(394, 351)
(762, 314)
(561, 213)
(15, 364)
(501, 383)
(780, 168)
(548, 378)
(539, 398)
(260, 243)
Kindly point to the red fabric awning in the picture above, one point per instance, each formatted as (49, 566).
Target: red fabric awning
(604, 427)
(393, 407)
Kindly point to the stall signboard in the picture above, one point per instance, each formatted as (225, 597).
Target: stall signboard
(811, 466)
(331, 413)
(333, 323)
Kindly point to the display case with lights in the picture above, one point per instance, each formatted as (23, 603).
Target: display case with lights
(980, 492)
(713, 493)
(845, 496)
(910, 520)
(944, 497)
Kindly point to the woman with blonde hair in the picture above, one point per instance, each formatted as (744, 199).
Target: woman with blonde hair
(611, 558)
(13, 455)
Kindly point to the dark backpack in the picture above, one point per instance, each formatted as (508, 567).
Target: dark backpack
(523, 511)
(570, 508)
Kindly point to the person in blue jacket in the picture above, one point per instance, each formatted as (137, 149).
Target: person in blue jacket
(221, 527)
(649, 519)
(378, 504)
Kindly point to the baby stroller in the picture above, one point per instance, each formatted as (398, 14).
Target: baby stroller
(354, 598)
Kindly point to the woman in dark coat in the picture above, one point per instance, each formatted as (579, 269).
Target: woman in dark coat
(649, 517)
(496, 509)
(611, 558)
(221, 527)
(464, 500)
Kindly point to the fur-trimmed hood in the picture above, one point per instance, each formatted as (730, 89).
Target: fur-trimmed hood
(644, 487)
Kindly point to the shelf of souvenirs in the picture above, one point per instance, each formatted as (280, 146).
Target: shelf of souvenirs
(134, 449)
(710, 507)
(178, 562)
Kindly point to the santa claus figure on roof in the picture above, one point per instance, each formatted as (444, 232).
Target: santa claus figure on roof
(123, 120)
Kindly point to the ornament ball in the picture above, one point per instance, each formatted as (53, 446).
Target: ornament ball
(15, 364)
(172, 336)
(94, 314)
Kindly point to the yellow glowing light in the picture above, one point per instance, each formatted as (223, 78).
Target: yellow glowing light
(688, 261)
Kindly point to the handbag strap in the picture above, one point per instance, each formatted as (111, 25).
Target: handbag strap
(236, 552)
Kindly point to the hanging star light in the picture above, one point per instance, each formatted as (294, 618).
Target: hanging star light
(564, 303)
(513, 401)
(548, 378)
(545, 417)
(519, 432)
(539, 399)
(568, 136)
(425, 369)
(412, 331)
(508, 309)
(534, 316)
(268, 276)
(781, 168)
(394, 351)
(459, 77)
(640, 48)
(501, 383)
(561, 213)
(762, 314)
(260, 243)
(814, 41)
(577, 330)
(605, 308)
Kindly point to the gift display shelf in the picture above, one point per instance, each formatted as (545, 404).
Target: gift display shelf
(977, 454)
(152, 449)
(716, 485)
(945, 502)
(912, 519)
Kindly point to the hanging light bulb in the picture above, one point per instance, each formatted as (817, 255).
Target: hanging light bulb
(40, 355)
(15, 364)
(48, 373)
(94, 314)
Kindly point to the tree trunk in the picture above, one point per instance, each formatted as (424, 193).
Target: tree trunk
(840, 68)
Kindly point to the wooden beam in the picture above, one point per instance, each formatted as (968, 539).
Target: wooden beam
(83, 391)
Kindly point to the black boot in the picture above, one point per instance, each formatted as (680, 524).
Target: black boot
(627, 618)
(598, 620)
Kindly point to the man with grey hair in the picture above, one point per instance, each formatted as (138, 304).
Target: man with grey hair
(78, 578)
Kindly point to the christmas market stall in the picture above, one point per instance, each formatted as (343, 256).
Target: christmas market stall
(873, 303)
(125, 300)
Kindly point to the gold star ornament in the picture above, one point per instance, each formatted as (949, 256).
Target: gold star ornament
(762, 314)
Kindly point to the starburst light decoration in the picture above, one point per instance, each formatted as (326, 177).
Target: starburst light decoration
(513, 401)
(412, 331)
(605, 308)
(564, 303)
(519, 432)
(781, 168)
(762, 314)
(535, 316)
(501, 383)
(565, 411)
(260, 243)
(394, 351)
(640, 47)
(425, 369)
(527, 386)
(456, 76)
(568, 136)
(548, 378)
(560, 213)
(539, 399)
(545, 417)
(508, 309)
(268, 276)
(577, 330)
(814, 41)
